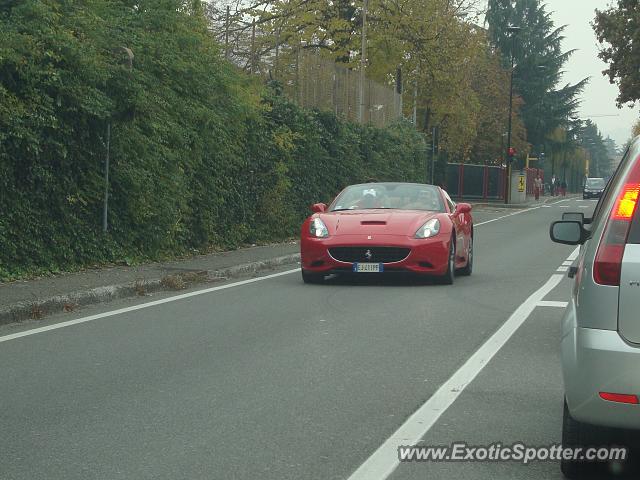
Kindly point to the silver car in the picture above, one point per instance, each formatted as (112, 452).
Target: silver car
(600, 346)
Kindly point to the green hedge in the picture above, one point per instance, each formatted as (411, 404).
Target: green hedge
(202, 157)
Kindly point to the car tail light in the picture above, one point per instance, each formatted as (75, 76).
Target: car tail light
(608, 262)
(619, 398)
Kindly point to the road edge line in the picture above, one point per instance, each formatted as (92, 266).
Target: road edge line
(141, 306)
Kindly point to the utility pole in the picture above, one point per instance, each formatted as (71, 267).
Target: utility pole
(363, 61)
(415, 104)
(433, 153)
(253, 48)
(298, 86)
(399, 90)
(105, 208)
(226, 32)
(275, 65)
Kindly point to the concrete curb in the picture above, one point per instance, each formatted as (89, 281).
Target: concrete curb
(38, 309)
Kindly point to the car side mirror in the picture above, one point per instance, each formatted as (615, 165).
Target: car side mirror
(319, 207)
(463, 208)
(567, 232)
(573, 216)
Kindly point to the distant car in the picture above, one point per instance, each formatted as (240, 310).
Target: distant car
(378, 228)
(593, 188)
(600, 346)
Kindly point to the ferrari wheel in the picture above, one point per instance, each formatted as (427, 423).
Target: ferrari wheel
(449, 276)
(468, 268)
(311, 277)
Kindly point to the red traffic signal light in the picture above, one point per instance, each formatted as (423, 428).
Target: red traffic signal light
(511, 151)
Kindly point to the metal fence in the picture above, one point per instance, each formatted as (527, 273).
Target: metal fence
(475, 181)
(308, 78)
(532, 173)
(317, 82)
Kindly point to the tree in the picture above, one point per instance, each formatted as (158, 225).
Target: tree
(539, 60)
(438, 50)
(202, 156)
(617, 30)
(450, 72)
(491, 85)
(592, 141)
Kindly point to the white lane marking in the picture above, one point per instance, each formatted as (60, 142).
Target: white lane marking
(505, 216)
(133, 308)
(563, 206)
(381, 464)
(568, 263)
(521, 211)
(573, 255)
(563, 269)
(584, 206)
(549, 303)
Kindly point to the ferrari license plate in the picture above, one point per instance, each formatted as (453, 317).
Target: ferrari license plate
(368, 267)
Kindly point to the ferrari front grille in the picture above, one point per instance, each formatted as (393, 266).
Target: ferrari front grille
(369, 254)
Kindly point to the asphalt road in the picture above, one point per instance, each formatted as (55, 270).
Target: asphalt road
(275, 379)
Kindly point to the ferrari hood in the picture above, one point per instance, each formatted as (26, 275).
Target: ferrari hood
(380, 222)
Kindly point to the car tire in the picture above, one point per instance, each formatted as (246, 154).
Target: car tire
(312, 277)
(576, 434)
(449, 276)
(468, 268)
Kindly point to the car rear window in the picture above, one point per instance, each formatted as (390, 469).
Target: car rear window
(595, 183)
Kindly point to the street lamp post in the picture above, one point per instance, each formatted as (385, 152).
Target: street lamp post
(513, 30)
(363, 62)
(105, 204)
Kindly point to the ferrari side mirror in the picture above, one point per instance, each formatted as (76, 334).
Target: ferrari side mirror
(463, 208)
(319, 208)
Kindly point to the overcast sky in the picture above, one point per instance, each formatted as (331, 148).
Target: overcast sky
(599, 97)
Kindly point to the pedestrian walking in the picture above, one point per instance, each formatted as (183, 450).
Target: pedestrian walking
(553, 186)
(563, 188)
(537, 186)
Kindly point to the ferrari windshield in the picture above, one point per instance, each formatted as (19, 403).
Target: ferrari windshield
(398, 196)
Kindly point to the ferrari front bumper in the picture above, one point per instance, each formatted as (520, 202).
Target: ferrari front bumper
(426, 256)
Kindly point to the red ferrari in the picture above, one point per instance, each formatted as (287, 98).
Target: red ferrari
(375, 228)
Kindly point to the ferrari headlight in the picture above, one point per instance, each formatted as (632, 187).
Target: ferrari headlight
(318, 229)
(429, 229)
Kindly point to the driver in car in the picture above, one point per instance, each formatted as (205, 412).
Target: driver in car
(424, 200)
(369, 200)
